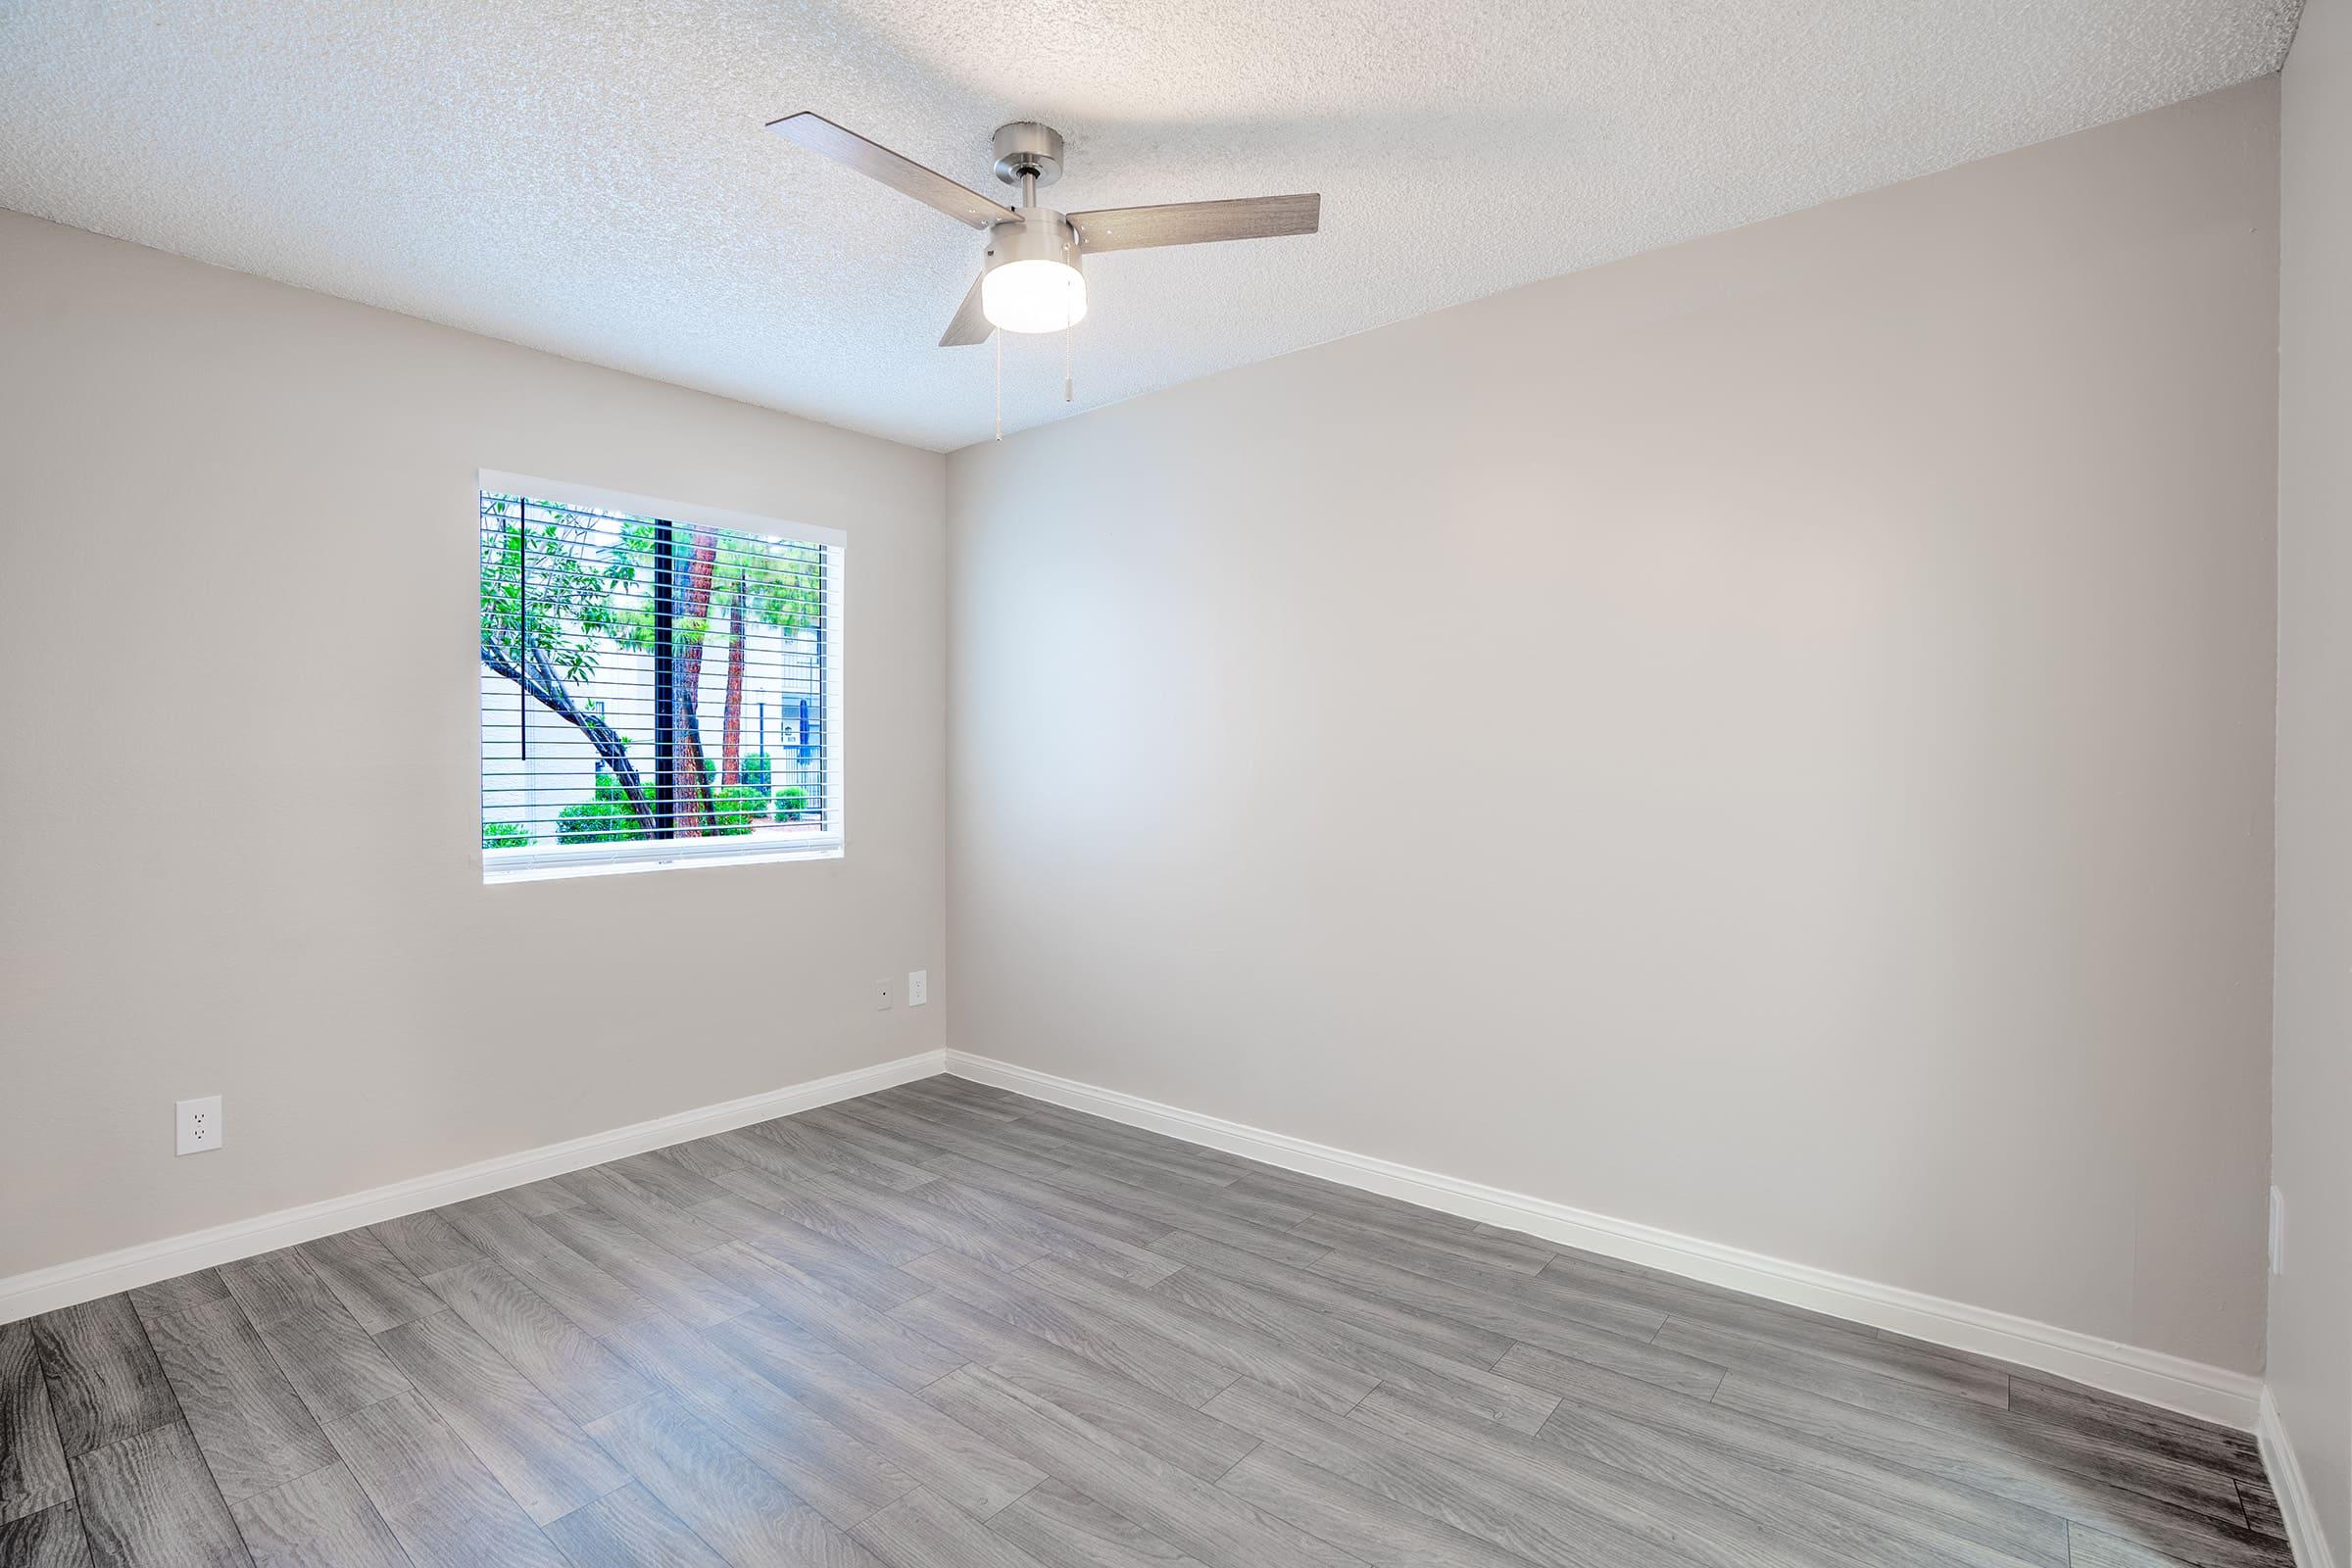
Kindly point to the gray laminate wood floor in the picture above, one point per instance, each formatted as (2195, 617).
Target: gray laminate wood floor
(945, 1327)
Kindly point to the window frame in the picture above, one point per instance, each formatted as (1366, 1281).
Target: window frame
(545, 863)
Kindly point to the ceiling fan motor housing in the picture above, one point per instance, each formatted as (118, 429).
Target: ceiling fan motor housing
(1029, 155)
(1038, 235)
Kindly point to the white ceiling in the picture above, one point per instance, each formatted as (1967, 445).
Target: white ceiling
(592, 179)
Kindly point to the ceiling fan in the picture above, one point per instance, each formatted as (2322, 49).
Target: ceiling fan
(1030, 278)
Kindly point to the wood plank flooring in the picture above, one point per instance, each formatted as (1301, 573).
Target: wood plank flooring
(948, 1327)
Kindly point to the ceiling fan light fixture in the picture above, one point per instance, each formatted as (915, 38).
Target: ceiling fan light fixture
(1034, 296)
(1030, 280)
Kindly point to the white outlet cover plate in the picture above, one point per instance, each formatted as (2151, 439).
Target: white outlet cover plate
(201, 1129)
(918, 987)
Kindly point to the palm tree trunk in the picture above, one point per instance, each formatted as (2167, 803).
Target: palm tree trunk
(687, 784)
(730, 746)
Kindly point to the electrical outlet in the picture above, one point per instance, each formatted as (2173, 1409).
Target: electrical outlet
(201, 1129)
(2278, 1231)
(881, 995)
(918, 987)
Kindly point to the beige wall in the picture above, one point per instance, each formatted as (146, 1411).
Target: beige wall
(1769, 739)
(2311, 1303)
(236, 618)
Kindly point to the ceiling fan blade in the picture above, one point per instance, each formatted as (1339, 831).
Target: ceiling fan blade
(1130, 228)
(969, 326)
(876, 162)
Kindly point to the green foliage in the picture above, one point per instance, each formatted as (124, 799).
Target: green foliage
(505, 836)
(792, 801)
(598, 821)
(732, 807)
(609, 788)
(758, 771)
(564, 607)
(779, 582)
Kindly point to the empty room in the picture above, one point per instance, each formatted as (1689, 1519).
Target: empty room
(1546, 784)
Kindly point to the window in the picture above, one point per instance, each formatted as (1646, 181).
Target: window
(660, 685)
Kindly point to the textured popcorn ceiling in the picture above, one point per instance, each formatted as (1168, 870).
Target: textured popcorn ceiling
(592, 179)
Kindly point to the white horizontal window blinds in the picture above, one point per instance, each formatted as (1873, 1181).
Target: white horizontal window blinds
(654, 691)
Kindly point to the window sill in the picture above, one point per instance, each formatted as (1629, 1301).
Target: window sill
(546, 865)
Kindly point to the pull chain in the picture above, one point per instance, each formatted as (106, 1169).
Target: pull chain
(1069, 326)
(998, 339)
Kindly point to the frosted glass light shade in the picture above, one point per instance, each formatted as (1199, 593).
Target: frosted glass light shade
(1033, 296)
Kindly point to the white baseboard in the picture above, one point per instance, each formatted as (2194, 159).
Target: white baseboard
(85, 1280)
(2215, 1393)
(2303, 1530)
(2212, 1393)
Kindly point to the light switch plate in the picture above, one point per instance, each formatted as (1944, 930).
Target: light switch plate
(201, 1129)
